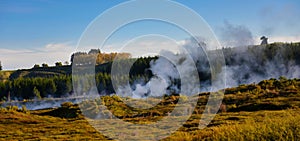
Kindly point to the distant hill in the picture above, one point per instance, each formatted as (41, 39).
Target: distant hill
(244, 65)
(254, 57)
(46, 72)
(41, 72)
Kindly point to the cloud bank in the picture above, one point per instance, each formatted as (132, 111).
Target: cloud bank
(26, 58)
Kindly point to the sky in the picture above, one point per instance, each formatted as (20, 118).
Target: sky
(47, 31)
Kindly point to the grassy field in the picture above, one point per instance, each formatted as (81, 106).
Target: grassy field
(268, 110)
(259, 125)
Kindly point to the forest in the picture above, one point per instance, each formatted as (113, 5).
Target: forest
(42, 82)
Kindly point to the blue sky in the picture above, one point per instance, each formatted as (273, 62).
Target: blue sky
(32, 28)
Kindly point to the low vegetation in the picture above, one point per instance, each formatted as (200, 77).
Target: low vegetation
(268, 110)
(259, 125)
(4, 75)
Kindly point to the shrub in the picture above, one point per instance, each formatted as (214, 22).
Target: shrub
(67, 104)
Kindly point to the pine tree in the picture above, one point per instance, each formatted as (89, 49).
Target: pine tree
(37, 93)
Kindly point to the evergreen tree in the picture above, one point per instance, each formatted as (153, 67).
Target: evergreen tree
(45, 65)
(36, 93)
(36, 66)
(58, 64)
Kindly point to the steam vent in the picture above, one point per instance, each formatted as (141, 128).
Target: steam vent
(264, 40)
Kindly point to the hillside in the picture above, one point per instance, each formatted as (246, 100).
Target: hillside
(255, 57)
(41, 72)
(244, 65)
(268, 110)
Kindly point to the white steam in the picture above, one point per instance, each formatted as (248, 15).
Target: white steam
(236, 35)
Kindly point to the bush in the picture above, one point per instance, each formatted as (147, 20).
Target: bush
(67, 110)
(67, 104)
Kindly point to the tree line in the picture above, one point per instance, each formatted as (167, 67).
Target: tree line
(251, 58)
(35, 86)
(83, 58)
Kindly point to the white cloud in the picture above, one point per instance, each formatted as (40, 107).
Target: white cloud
(53, 52)
(284, 39)
(147, 45)
(26, 58)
